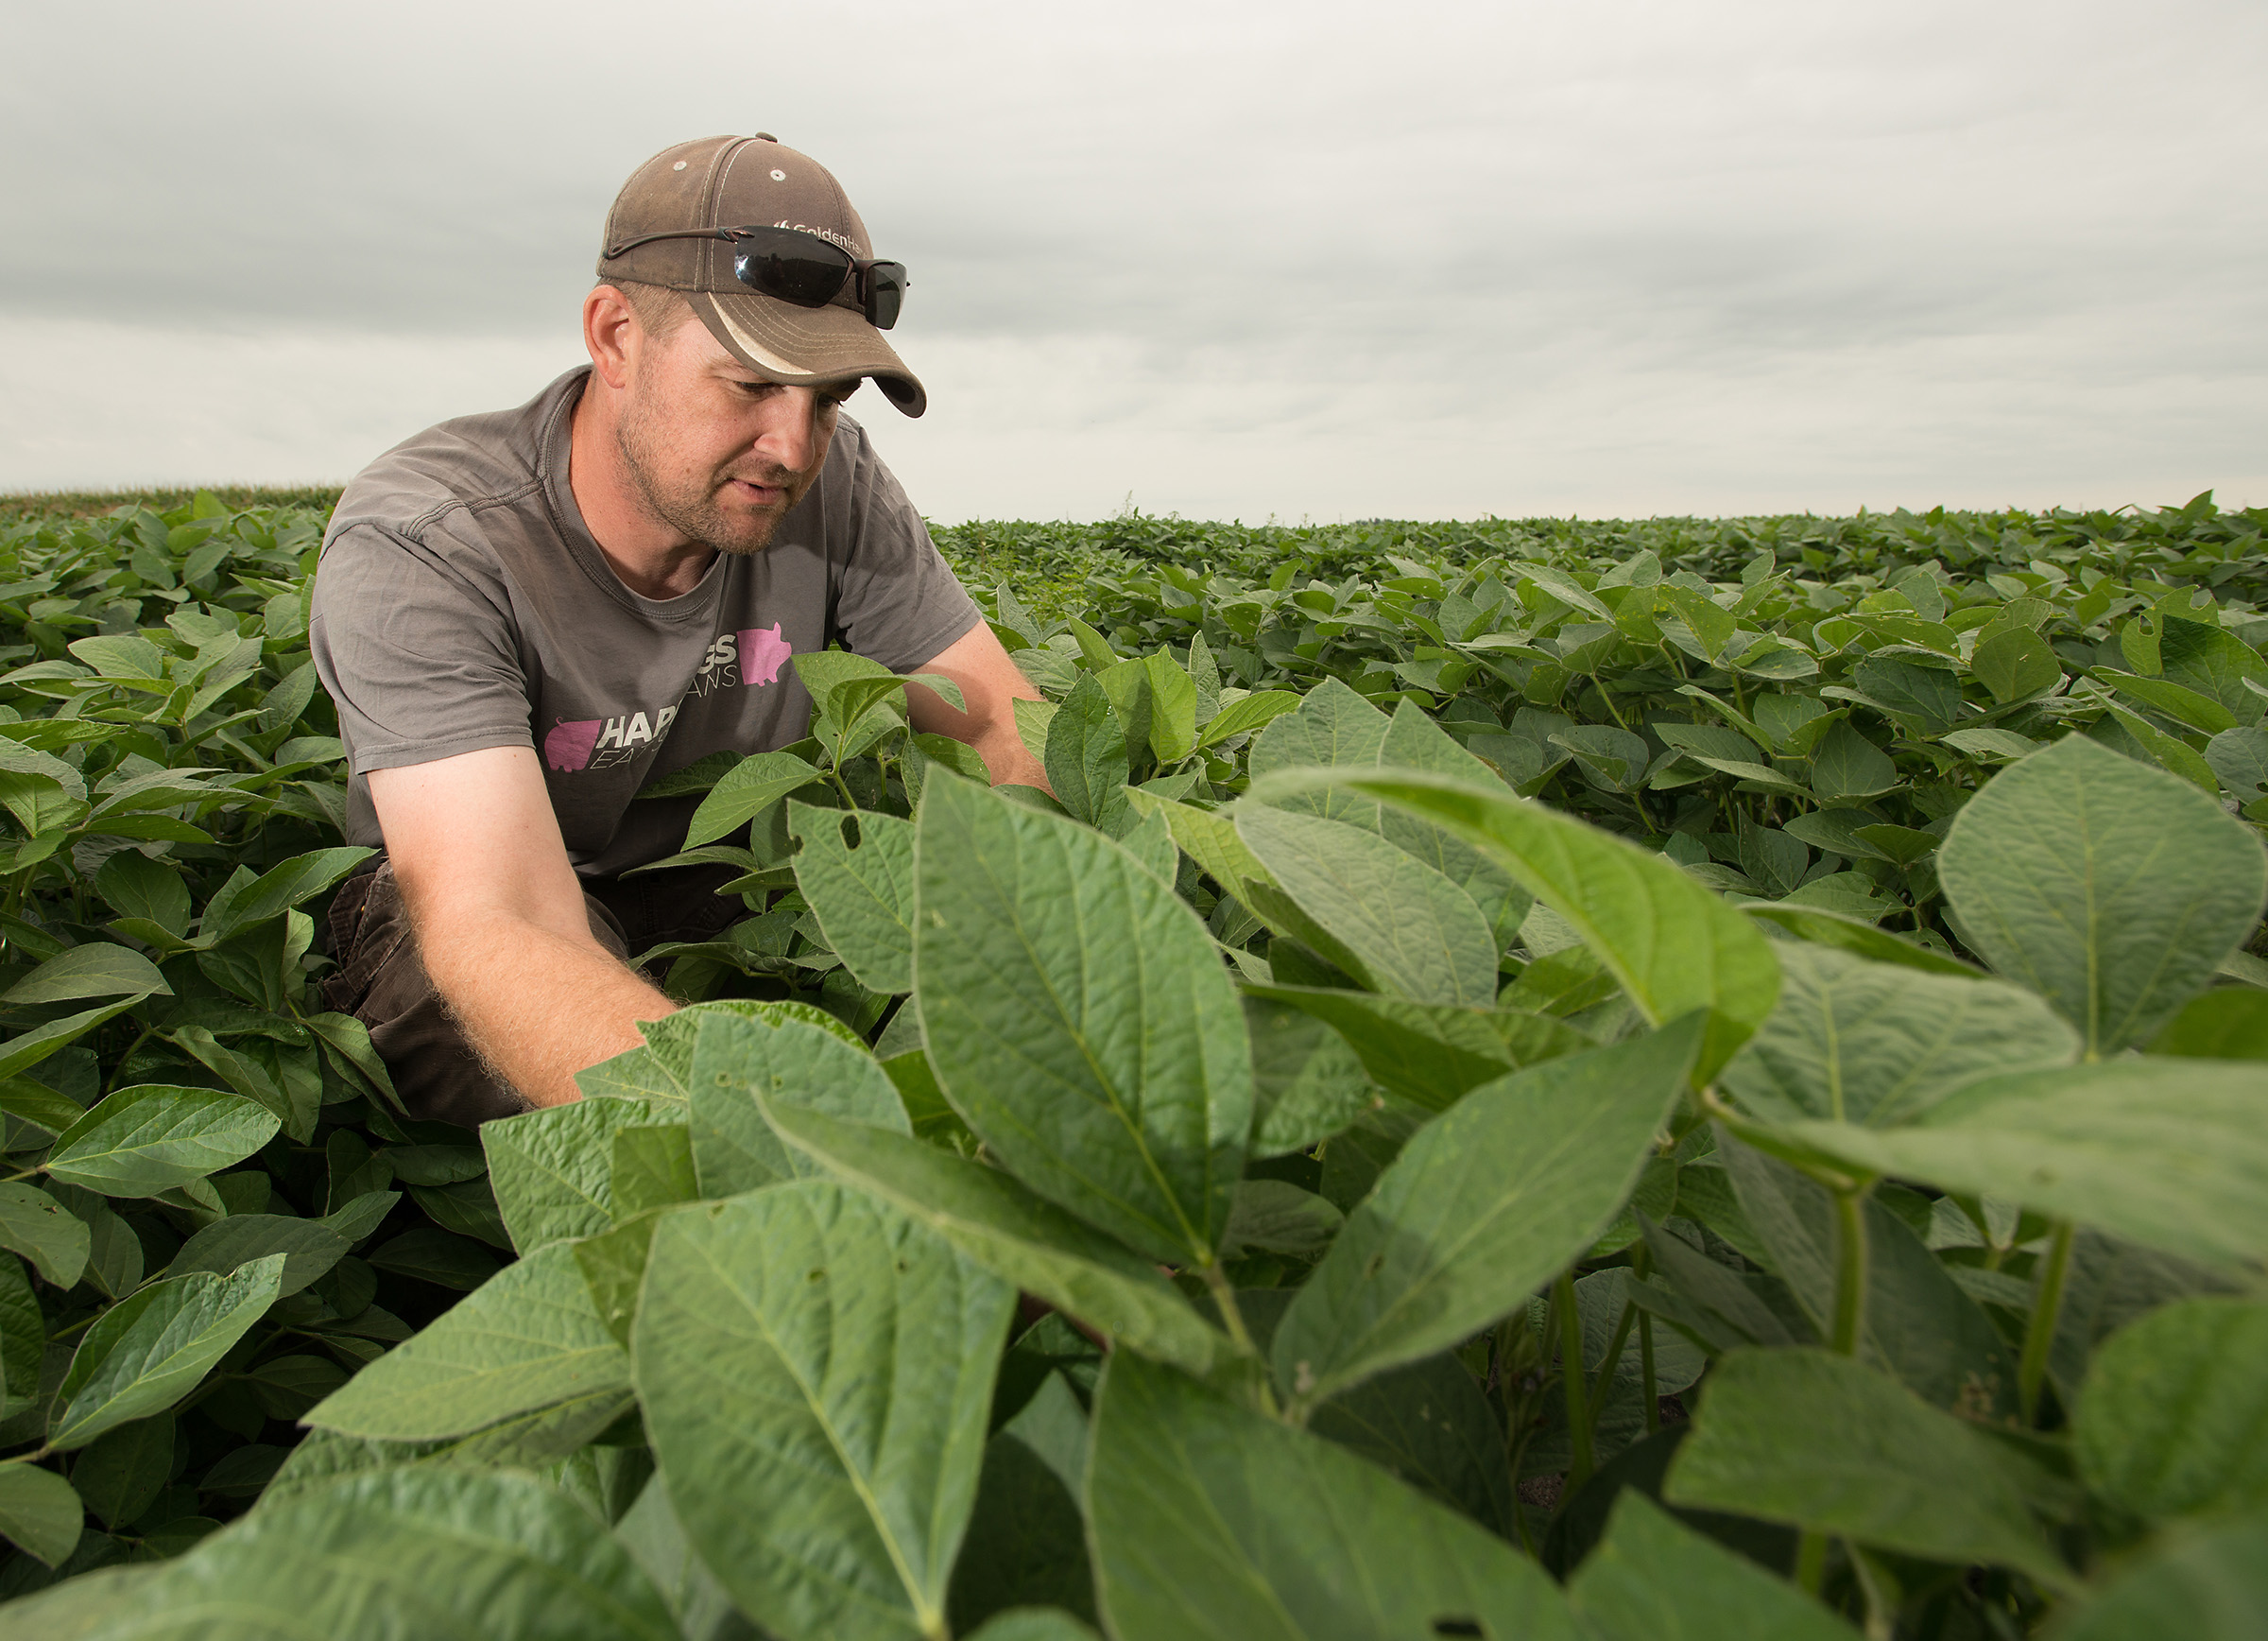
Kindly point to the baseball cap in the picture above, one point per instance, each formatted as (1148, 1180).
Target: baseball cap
(749, 181)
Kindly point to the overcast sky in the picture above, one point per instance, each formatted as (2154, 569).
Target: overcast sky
(1230, 260)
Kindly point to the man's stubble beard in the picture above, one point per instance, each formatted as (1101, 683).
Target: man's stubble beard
(689, 508)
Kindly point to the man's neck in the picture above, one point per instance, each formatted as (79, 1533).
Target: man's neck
(646, 555)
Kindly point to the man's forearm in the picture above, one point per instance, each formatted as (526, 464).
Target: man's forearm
(536, 1004)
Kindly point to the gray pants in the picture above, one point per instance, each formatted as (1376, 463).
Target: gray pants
(380, 980)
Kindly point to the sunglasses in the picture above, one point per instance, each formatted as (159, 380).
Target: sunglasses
(800, 267)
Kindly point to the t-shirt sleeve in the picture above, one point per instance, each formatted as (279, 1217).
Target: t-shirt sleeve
(896, 599)
(416, 649)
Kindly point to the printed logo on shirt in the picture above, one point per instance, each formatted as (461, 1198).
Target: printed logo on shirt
(753, 656)
(750, 657)
(600, 743)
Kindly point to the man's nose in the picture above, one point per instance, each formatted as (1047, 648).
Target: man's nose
(790, 434)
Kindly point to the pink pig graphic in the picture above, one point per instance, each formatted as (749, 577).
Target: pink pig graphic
(568, 747)
(762, 651)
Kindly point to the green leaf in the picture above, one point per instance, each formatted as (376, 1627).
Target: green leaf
(614, 1268)
(1413, 932)
(98, 969)
(1875, 1044)
(1429, 1423)
(1430, 1054)
(1929, 695)
(1824, 1443)
(997, 1222)
(1173, 708)
(652, 1168)
(310, 1247)
(1848, 934)
(2208, 1582)
(1252, 712)
(1673, 944)
(1026, 1544)
(552, 1170)
(277, 890)
(1307, 1084)
(1277, 1217)
(421, 1551)
(2169, 1153)
(2111, 890)
(1085, 758)
(1481, 1208)
(639, 1075)
(1333, 728)
(28, 1048)
(145, 1353)
(734, 1149)
(38, 1512)
(1209, 1520)
(526, 1339)
(1080, 1021)
(755, 784)
(1652, 1579)
(119, 1475)
(153, 1137)
(1846, 765)
(2229, 1024)
(2239, 759)
(22, 1334)
(2170, 1418)
(2184, 706)
(816, 1372)
(863, 897)
(40, 1228)
(2015, 665)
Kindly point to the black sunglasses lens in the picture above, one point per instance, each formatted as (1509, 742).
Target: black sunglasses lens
(885, 293)
(808, 273)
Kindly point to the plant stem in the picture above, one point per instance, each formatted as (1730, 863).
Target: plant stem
(1850, 1270)
(1811, 1562)
(1571, 1380)
(1224, 1299)
(2039, 1333)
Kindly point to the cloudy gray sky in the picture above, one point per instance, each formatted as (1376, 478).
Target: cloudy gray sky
(1612, 257)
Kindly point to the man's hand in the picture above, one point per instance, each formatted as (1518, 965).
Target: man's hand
(501, 923)
(992, 685)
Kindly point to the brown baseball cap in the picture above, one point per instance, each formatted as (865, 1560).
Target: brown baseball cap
(746, 183)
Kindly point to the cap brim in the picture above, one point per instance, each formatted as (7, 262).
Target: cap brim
(793, 345)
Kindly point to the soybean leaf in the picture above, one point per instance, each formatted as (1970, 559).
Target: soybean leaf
(1654, 1579)
(1412, 931)
(816, 1370)
(119, 1475)
(734, 1059)
(98, 969)
(1250, 713)
(1673, 944)
(43, 1231)
(1853, 1041)
(2229, 1024)
(1414, 741)
(1026, 1545)
(28, 1048)
(147, 1351)
(1871, 1463)
(1482, 1205)
(2169, 1153)
(552, 1170)
(1085, 758)
(431, 1550)
(639, 1074)
(277, 890)
(2113, 890)
(2015, 665)
(526, 1339)
(2207, 1583)
(1429, 1423)
(1206, 1519)
(2170, 1416)
(1080, 1021)
(310, 1247)
(1277, 1217)
(153, 1137)
(652, 1168)
(1823, 927)
(1307, 1084)
(40, 1512)
(22, 1335)
(753, 786)
(1429, 1054)
(863, 897)
(1333, 728)
(1173, 708)
(1846, 765)
(997, 1222)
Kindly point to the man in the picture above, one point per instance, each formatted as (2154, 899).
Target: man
(526, 617)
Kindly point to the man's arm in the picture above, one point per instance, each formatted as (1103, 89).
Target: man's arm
(500, 920)
(992, 685)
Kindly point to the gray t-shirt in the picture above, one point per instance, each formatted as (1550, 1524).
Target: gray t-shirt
(461, 603)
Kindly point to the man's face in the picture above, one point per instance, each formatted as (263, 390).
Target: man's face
(716, 452)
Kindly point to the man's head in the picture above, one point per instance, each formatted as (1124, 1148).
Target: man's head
(720, 427)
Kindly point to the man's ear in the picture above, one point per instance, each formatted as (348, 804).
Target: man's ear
(613, 336)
